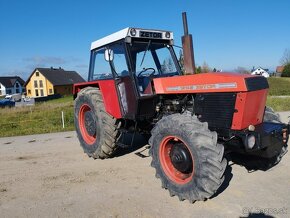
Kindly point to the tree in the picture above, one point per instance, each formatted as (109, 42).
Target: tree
(167, 66)
(286, 70)
(286, 57)
(242, 70)
(198, 70)
(164, 67)
(181, 63)
(170, 65)
(205, 68)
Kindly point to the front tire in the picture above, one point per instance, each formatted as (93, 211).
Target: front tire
(271, 116)
(186, 157)
(97, 131)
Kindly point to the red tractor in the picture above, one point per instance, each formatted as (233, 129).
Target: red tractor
(136, 84)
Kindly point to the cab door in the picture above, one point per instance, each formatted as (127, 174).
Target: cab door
(124, 83)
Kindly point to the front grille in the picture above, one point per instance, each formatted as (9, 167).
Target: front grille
(256, 83)
(217, 109)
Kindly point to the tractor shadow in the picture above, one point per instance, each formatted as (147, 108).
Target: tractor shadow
(257, 215)
(250, 163)
(129, 146)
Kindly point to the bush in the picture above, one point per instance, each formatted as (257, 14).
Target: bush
(286, 71)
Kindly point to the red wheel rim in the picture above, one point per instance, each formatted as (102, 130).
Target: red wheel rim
(166, 162)
(84, 124)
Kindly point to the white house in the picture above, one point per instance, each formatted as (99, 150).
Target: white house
(11, 85)
(261, 72)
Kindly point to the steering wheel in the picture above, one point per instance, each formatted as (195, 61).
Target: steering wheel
(146, 69)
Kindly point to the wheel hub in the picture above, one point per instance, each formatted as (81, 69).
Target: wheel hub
(89, 123)
(181, 158)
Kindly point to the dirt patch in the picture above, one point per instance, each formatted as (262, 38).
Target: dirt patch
(3, 189)
(56, 179)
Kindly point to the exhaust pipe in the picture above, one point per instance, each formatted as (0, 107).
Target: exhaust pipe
(187, 45)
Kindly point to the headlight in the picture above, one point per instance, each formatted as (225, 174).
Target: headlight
(167, 35)
(251, 141)
(133, 32)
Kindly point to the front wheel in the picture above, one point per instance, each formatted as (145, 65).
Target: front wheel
(271, 116)
(186, 157)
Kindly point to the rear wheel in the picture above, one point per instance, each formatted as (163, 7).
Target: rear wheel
(186, 157)
(97, 131)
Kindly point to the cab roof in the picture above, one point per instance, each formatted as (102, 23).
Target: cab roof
(133, 33)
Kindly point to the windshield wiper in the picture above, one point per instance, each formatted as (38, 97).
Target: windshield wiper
(149, 43)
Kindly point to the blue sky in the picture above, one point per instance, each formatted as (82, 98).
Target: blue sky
(58, 33)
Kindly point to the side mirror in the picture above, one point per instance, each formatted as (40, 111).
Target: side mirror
(109, 55)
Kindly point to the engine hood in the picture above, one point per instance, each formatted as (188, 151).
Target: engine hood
(209, 82)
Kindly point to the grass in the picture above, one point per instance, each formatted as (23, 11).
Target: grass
(46, 117)
(42, 118)
(279, 86)
(279, 104)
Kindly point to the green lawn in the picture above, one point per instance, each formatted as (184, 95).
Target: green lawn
(279, 86)
(279, 104)
(42, 118)
(46, 117)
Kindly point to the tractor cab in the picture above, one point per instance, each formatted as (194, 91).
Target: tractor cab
(132, 58)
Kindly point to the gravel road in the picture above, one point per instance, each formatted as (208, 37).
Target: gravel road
(50, 176)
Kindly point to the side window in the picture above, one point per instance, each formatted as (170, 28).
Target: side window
(119, 62)
(166, 61)
(100, 68)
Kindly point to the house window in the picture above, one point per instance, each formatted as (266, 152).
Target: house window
(17, 91)
(35, 84)
(40, 84)
(36, 92)
(29, 91)
(37, 73)
(41, 92)
(50, 91)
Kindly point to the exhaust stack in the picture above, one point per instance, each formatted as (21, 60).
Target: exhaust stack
(187, 45)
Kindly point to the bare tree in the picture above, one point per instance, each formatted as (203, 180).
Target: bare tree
(242, 70)
(205, 68)
(286, 57)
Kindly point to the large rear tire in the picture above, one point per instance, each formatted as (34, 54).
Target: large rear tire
(186, 157)
(97, 131)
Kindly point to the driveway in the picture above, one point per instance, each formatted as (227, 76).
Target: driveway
(50, 176)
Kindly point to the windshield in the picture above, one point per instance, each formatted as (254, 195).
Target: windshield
(151, 55)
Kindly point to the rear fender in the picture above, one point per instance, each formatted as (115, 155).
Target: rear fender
(109, 95)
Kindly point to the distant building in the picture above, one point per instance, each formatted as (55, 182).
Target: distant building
(50, 81)
(11, 85)
(261, 72)
(279, 69)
